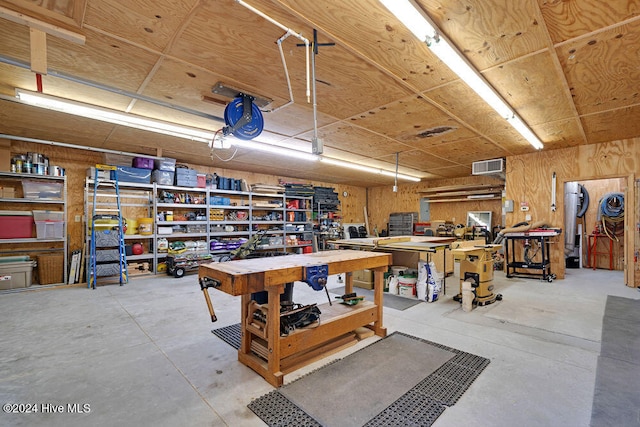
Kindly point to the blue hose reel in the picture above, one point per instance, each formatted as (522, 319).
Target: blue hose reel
(243, 118)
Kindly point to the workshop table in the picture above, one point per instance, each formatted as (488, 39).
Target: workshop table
(543, 239)
(266, 351)
(421, 244)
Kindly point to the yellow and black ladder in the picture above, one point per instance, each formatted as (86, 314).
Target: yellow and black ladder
(107, 257)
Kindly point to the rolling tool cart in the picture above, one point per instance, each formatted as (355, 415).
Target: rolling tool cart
(536, 249)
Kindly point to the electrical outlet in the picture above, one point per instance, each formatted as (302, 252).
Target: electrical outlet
(77, 218)
(527, 217)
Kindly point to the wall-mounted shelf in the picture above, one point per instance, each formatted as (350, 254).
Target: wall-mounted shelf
(463, 193)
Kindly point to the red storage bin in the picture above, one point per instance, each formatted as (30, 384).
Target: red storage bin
(16, 225)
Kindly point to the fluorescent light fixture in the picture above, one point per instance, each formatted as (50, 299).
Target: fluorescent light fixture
(111, 116)
(301, 155)
(421, 25)
(200, 135)
(344, 164)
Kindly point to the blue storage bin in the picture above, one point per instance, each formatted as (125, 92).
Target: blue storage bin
(130, 174)
(217, 200)
(186, 177)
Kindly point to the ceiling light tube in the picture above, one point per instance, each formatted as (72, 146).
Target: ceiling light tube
(369, 169)
(521, 127)
(138, 122)
(301, 155)
(111, 116)
(421, 25)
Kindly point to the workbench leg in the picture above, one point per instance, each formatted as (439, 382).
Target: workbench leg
(378, 288)
(245, 336)
(273, 336)
(348, 282)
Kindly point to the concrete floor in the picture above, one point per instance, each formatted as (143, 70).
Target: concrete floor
(143, 354)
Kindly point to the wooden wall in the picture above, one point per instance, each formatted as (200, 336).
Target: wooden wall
(382, 201)
(529, 179)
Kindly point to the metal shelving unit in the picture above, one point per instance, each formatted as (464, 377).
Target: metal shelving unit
(240, 217)
(18, 203)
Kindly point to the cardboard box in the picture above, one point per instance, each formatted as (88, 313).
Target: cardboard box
(5, 155)
(363, 275)
(117, 159)
(362, 284)
(8, 193)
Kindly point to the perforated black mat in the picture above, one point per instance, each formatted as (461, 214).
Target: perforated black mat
(419, 406)
(229, 334)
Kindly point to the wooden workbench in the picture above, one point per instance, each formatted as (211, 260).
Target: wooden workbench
(267, 352)
(408, 250)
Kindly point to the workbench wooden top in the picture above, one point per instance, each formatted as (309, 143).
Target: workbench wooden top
(411, 243)
(252, 275)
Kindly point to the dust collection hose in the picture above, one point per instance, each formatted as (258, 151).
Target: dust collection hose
(585, 201)
(611, 213)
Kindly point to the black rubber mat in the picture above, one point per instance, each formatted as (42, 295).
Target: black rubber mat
(229, 334)
(419, 406)
(278, 411)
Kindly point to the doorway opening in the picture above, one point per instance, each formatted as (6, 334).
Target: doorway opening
(594, 224)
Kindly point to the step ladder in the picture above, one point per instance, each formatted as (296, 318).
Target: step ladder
(107, 250)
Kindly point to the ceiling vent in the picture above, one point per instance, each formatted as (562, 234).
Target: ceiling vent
(487, 167)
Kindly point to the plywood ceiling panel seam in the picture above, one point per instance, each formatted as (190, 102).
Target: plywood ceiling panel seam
(559, 70)
(598, 31)
(610, 110)
(174, 37)
(350, 48)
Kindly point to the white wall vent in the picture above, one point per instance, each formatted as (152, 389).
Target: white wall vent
(486, 167)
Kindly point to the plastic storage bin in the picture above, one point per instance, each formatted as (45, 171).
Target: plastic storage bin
(16, 225)
(186, 177)
(49, 229)
(48, 216)
(33, 189)
(16, 272)
(129, 174)
(165, 164)
(106, 255)
(105, 238)
(162, 177)
(142, 162)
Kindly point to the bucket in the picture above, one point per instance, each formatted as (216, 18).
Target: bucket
(132, 226)
(145, 226)
(407, 286)
(398, 270)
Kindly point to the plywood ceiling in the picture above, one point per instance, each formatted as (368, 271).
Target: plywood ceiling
(569, 68)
